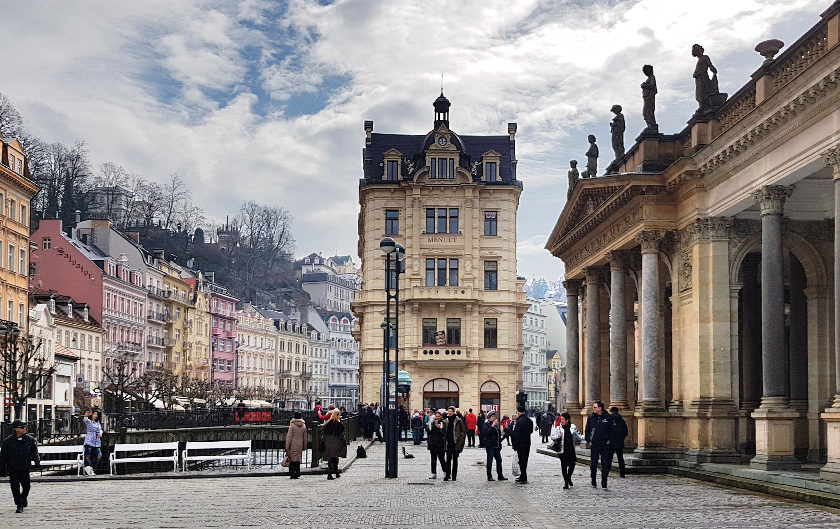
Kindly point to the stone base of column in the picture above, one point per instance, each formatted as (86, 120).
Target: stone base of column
(711, 431)
(800, 429)
(831, 470)
(774, 437)
(651, 425)
(573, 408)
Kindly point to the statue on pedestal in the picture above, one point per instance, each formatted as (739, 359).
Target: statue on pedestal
(591, 159)
(573, 176)
(617, 127)
(706, 88)
(649, 100)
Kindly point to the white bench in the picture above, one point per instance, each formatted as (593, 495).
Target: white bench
(67, 451)
(145, 447)
(217, 445)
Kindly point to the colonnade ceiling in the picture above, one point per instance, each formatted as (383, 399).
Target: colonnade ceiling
(812, 199)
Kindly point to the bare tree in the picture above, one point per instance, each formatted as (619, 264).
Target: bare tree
(309, 394)
(120, 377)
(195, 388)
(189, 217)
(283, 394)
(11, 122)
(264, 242)
(149, 202)
(26, 369)
(175, 192)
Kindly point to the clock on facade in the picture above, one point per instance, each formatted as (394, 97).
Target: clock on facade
(441, 141)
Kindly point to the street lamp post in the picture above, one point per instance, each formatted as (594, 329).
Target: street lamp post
(393, 268)
(9, 334)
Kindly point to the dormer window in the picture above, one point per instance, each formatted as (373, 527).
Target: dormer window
(86, 314)
(442, 168)
(393, 170)
(52, 305)
(69, 309)
(491, 171)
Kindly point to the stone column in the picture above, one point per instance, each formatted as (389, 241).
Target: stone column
(650, 412)
(572, 347)
(593, 335)
(774, 419)
(618, 331)
(832, 415)
(751, 339)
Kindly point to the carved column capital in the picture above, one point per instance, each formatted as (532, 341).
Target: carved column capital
(831, 158)
(771, 199)
(571, 286)
(592, 274)
(705, 229)
(649, 240)
(618, 259)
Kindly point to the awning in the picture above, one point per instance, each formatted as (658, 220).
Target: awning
(403, 378)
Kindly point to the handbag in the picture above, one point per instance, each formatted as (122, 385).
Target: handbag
(555, 445)
(515, 465)
(285, 462)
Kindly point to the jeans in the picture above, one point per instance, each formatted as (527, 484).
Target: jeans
(417, 435)
(452, 463)
(494, 453)
(437, 455)
(602, 452)
(92, 456)
(523, 464)
(618, 449)
(19, 480)
(470, 437)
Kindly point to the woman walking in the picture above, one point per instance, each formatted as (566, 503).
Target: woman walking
(335, 443)
(295, 444)
(93, 441)
(565, 434)
(437, 444)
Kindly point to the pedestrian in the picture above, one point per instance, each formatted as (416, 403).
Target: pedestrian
(295, 444)
(437, 444)
(546, 423)
(17, 453)
(403, 420)
(366, 422)
(598, 435)
(240, 410)
(417, 427)
(479, 427)
(471, 421)
(505, 424)
(456, 434)
(492, 436)
(377, 424)
(93, 441)
(335, 443)
(522, 430)
(619, 434)
(564, 435)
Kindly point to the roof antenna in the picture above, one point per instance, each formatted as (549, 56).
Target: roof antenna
(441, 83)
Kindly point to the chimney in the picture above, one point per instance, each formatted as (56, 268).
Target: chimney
(135, 235)
(78, 216)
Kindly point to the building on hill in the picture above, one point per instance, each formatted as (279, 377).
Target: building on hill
(344, 359)
(717, 243)
(451, 201)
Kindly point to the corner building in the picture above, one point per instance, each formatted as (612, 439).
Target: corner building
(451, 200)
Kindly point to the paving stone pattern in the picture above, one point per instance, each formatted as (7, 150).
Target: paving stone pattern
(363, 498)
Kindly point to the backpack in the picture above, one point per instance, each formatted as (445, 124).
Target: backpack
(360, 452)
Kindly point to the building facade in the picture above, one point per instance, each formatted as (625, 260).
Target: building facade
(717, 244)
(222, 334)
(451, 201)
(344, 359)
(534, 360)
(257, 350)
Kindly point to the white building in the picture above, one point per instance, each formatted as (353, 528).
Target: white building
(534, 367)
(257, 350)
(344, 359)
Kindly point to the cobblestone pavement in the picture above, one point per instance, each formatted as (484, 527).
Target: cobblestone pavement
(362, 497)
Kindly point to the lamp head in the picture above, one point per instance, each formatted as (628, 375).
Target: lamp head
(15, 331)
(400, 249)
(387, 245)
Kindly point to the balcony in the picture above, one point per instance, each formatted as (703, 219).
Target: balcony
(433, 293)
(170, 342)
(129, 347)
(154, 341)
(156, 292)
(285, 373)
(156, 316)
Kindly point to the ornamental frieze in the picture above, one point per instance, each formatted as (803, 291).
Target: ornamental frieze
(602, 241)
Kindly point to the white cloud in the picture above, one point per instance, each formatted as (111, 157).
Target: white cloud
(170, 87)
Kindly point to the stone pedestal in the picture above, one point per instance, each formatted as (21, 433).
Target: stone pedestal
(651, 425)
(831, 470)
(774, 439)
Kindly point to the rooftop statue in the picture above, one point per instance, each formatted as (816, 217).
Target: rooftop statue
(617, 127)
(573, 176)
(706, 88)
(591, 159)
(649, 100)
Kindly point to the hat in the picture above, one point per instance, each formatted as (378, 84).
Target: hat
(18, 424)
(491, 413)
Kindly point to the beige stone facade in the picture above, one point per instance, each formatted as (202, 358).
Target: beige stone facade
(451, 201)
(699, 277)
(257, 350)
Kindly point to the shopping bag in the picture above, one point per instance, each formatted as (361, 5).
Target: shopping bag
(515, 465)
(285, 461)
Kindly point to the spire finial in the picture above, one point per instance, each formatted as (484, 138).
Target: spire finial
(441, 83)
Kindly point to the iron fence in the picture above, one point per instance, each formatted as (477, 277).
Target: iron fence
(50, 431)
(169, 419)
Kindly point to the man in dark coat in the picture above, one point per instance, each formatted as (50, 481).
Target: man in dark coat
(492, 436)
(521, 442)
(404, 422)
(456, 435)
(598, 435)
(16, 455)
(479, 427)
(619, 434)
(546, 424)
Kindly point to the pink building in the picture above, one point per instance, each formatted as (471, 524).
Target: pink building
(113, 290)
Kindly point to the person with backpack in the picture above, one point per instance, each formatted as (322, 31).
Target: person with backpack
(619, 434)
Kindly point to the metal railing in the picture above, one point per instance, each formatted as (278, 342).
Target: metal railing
(168, 419)
(49, 431)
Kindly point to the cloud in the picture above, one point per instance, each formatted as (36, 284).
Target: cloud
(265, 100)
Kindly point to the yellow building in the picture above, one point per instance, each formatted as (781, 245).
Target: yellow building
(177, 302)
(16, 191)
(451, 201)
(292, 369)
(198, 330)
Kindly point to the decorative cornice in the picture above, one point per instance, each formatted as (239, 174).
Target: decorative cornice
(758, 132)
(831, 158)
(771, 199)
(596, 244)
(649, 240)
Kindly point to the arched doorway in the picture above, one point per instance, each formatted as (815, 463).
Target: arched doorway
(491, 397)
(440, 393)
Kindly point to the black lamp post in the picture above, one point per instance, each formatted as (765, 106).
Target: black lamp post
(9, 334)
(394, 266)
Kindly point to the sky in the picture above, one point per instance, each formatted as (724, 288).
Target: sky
(261, 100)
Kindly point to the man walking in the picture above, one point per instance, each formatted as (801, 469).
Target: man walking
(619, 434)
(470, 420)
(598, 435)
(521, 436)
(16, 454)
(492, 437)
(456, 434)
(479, 426)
